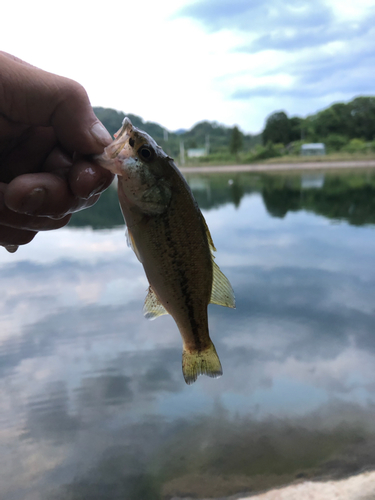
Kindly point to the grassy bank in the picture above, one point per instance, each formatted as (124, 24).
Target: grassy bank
(339, 156)
(245, 159)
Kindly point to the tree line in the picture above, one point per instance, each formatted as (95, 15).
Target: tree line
(222, 140)
(341, 127)
(349, 126)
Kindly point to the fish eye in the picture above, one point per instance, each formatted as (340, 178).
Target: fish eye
(146, 153)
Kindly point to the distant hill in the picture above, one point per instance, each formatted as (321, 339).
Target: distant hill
(347, 127)
(335, 125)
(217, 134)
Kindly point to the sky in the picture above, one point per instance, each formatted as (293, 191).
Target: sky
(178, 62)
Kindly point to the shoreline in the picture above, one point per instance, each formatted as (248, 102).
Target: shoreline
(358, 487)
(280, 167)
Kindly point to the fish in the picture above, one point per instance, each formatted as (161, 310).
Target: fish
(170, 237)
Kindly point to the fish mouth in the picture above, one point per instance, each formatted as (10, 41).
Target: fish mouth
(126, 127)
(122, 138)
(119, 150)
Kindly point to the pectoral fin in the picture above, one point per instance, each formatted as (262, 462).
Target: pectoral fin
(152, 308)
(131, 243)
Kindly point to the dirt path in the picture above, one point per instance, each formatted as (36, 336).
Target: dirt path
(361, 487)
(282, 167)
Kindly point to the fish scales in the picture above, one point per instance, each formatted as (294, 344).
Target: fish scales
(170, 238)
(182, 264)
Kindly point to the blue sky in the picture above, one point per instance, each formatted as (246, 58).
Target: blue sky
(179, 62)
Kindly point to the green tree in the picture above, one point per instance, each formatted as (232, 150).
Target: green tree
(362, 112)
(356, 146)
(355, 119)
(236, 141)
(277, 129)
(296, 126)
(335, 142)
(333, 120)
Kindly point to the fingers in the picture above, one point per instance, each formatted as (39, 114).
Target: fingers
(28, 223)
(47, 125)
(87, 179)
(74, 121)
(15, 220)
(27, 153)
(19, 229)
(11, 248)
(42, 194)
(12, 238)
(32, 96)
(36, 151)
(13, 58)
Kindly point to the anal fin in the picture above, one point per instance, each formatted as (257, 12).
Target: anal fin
(153, 308)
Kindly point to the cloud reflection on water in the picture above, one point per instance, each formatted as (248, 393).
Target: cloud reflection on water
(81, 371)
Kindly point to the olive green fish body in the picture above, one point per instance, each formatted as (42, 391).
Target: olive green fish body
(170, 237)
(175, 253)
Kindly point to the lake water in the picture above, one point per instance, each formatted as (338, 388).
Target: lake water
(93, 402)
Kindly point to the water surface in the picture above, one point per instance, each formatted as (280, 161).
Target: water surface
(93, 402)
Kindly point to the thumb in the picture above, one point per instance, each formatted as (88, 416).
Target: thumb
(31, 96)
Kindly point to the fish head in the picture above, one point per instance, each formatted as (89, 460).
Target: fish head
(142, 167)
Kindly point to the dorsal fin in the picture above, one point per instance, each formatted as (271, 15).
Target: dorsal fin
(222, 291)
(153, 308)
(209, 237)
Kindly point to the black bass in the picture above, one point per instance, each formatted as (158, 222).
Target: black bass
(170, 237)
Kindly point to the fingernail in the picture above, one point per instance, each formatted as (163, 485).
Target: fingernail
(98, 188)
(101, 134)
(33, 202)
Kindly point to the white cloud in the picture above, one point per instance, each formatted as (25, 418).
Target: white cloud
(148, 60)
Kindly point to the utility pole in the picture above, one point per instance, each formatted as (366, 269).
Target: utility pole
(207, 147)
(182, 153)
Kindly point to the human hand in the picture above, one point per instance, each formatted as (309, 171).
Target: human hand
(47, 130)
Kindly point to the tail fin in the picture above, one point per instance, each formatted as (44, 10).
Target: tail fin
(196, 363)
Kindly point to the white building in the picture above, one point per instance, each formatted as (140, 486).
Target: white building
(313, 149)
(196, 153)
